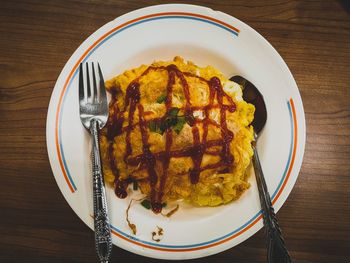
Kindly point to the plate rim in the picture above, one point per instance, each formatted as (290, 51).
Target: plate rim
(202, 9)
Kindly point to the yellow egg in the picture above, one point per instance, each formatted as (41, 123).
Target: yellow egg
(217, 184)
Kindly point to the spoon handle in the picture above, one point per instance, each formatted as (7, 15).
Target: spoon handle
(277, 251)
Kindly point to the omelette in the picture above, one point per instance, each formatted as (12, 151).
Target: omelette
(179, 131)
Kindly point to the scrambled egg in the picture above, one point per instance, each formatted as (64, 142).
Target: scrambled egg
(216, 186)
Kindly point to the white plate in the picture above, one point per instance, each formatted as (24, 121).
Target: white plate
(206, 37)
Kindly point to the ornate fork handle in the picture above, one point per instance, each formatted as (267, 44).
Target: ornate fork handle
(103, 239)
(277, 251)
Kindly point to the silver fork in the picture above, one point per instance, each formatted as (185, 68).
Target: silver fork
(93, 115)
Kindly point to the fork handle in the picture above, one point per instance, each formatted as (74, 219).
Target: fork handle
(103, 240)
(276, 249)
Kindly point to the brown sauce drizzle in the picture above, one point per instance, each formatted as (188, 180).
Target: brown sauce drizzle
(147, 160)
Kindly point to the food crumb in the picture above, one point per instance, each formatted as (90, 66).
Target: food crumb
(173, 211)
(157, 236)
(131, 225)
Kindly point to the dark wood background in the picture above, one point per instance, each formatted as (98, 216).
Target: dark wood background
(38, 37)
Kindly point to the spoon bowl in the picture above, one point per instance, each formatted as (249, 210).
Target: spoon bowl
(252, 95)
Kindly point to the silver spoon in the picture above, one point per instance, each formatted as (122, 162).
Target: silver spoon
(276, 249)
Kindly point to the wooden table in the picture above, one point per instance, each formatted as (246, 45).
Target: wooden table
(38, 37)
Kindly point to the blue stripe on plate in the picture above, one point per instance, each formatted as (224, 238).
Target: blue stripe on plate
(133, 237)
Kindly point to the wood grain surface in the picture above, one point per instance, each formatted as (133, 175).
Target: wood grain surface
(38, 37)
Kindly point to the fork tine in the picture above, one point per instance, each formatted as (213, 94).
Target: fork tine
(100, 73)
(103, 95)
(81, 83)
(96, 99)
(88, 81)
(93, 107)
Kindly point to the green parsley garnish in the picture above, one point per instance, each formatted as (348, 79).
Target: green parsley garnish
(161, 98)
(173, 112)
(146, 204)
(170, 120)
(179, 124)
(152, 125)
(156, 126)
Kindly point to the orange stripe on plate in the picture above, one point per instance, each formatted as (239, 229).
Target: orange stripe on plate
(294, 151)
(58, 149)
(187, 249)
